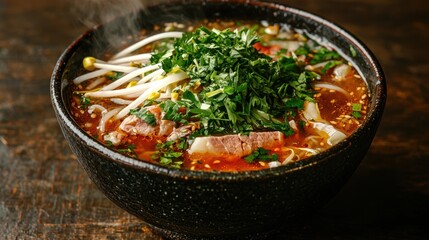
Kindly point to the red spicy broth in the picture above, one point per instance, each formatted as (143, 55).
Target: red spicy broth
(337, 108)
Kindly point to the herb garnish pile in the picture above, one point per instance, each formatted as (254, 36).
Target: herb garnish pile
(233, 88)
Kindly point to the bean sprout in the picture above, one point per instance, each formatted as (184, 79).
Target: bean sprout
(92, 108)
(95, 83)
(116, 68)
(156, 87)
(90, 75)
(106, 117)
(129, 77)
(120, 101)
(120, 92)
(151, 76)
(146, 41)
(138, 57)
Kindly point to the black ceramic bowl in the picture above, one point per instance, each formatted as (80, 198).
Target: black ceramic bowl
(194, 204)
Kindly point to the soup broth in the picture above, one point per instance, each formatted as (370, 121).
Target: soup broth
(220, 96)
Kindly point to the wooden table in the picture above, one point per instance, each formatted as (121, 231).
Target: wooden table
(45, 194)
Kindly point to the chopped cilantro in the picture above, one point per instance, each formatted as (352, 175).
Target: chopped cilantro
(356, 108)
(261, 154)
(323, 54)
(172, 111)
(301, 124)
(243, 89)
(170, 153)
(356, 114)
(84, 101)
(108, 143)
(129, 150)
(295, 103)
(303, 50)
(282, 52)
(330, 65)
(145, 115)
(353, 51)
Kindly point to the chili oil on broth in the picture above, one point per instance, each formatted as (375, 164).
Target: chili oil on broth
(343, 110)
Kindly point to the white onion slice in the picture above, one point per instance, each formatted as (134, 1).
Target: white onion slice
(311, 112)
(334, 136)
(331, 87)
(274, 164)
(342, 71)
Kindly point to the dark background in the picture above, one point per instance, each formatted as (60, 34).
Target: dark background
(45, 194)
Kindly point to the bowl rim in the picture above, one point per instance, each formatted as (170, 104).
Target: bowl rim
(374, 116)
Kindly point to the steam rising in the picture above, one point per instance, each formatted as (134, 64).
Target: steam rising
(95, 12)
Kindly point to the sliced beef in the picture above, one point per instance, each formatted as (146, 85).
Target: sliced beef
(236, 145)
(267, 140)
(166, 127)
(180, 132)
(221, 145)
(136, 126)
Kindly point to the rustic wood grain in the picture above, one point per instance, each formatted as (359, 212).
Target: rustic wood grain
(44, 194)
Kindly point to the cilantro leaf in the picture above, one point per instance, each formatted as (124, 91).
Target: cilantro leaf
(323, 54)
(303, 50)
(170, 153)
(352, 51)
(145, 115)
(84, 101)
(330, 65)
(356, 114)
(261, 154)
(356, 108)
(129, 150)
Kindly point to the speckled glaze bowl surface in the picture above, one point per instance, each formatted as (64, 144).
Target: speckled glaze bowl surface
(185, 204)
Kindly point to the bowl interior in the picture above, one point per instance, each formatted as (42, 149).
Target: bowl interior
(99, 40)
